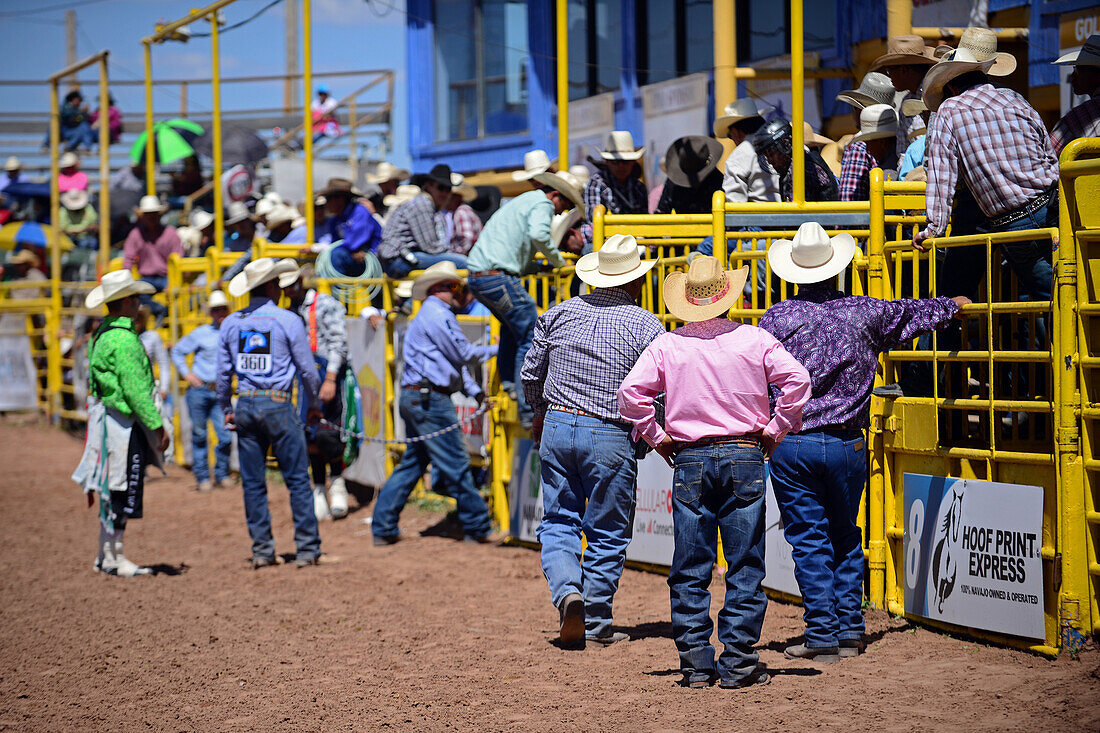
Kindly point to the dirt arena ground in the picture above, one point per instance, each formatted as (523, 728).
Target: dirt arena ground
(425, 635)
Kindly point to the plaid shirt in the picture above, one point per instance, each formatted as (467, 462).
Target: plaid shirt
(583, 349)
(854, 165)
(1081, 121)
(1007, 160)
(328, 333)
(412, 227)
(630, 197)
(467, 228)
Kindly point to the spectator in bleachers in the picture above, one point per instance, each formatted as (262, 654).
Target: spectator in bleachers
(23, 266)
(461, 221)
(71, 177)
(350, 227)
(878, 128)
(299, 233)
(1084, 119)
(413, 238)
(745, 179)
(203, 221)
(774, 142)
(114, 121)
(240, 223)
(324, 115)
(75, 129)
(129, 178)
(280, 223)
(905, 63)
(996, 143)
(875, 88)
(148, 246)
(382, 183)
(78, 219)
(582, 173)
(618, 184)
(13, 173)
(692, 167)
(188, 179)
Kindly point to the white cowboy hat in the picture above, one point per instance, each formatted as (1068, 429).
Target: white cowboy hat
(961, 62)
(405, 192)
(201, 219)
(116, 285)
(618, 262)
(565, 183)
(877, 121)
(237, 212)
(12, 164)
(463, 189)
(217, 299)
(266, 205)
(875, 88)
(258, 272)
(982, 43)
(150, 205)
(904, 51)
(1087, 55)
(190, 238)
(68, 160)
(74, 199)
(534, 162)
(742, 109)
(620, 146)
(403, 289)
(811, 256)
(705, 291)
(387, 171)
(293, 272)
(562, 223)
(581, 173)
(438, 273)
(280, 215)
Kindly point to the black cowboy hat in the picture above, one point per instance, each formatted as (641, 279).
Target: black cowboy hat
(690, 159)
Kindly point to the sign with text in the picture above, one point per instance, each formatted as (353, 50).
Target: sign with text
(653, 539)
(1073, 30)
(525, 491)
(972, 553)
(672, 109)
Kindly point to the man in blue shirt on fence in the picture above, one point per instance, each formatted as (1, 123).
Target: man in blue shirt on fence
(435, 354)
(202, 397)
(350, 224)
(267, 348)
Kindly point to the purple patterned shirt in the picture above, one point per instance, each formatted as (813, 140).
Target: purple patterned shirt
(838, 339)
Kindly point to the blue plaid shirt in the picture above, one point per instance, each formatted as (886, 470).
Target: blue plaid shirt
(583, 349)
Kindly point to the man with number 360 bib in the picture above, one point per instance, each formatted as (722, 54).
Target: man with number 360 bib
(267, 347)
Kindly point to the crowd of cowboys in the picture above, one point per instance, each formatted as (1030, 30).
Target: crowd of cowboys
(599, 380)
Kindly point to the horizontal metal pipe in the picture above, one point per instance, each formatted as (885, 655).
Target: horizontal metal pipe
(95, 58)
(953, 34)
(1026, 357)
(195, 15)
(1041, 459)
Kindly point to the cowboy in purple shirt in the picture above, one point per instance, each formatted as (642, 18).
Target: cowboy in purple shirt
(819, 473)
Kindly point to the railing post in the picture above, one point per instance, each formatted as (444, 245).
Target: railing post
(307, 141)
(598, 227)
(104, 171)
(876, 486)
(562, 17)
(53, 315)
(718, 224)
(216, 128)
(798, 104)
(150, 152)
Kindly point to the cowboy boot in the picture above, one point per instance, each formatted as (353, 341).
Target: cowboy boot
(338, 498)
(320, 503)
(115, 562)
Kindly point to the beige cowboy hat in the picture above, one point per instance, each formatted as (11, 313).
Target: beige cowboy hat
(875, 88)
(534, 162)
(913, 107)
(116, 285)
(217, 299)
(339, 186)
(903, 51)
(403, 290)
(741, 109)
(387, 171)
(961, 62)
(618, 262)
(564, 183)
(280, 215)
(620, 146)
(405, 192)
(294, 272)
(24, 257)
(266, 205)
(260, 271)
(811, 138)
(982, 43)
(833, 154)
(438, 273)
(12, 164)
(690, 159)
(581, 173)
(1087, 55)
(74, 199)
(201, 219)
(705, 291)
(811, 256)
(876, 122)
(150, 205)
(463, 189)
(68, 160)
(918, 174)
(562, 223)
(237, 212)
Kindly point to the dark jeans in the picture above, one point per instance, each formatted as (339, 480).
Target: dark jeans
(398, 268)
(72, 137)
(818, 478)
(506, 298)
(202, 406)
(718, 488)
(264, 423)
(445, 452)
(160, 282)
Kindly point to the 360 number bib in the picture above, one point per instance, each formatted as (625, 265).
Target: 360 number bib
(254, 352)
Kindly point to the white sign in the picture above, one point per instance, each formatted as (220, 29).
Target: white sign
(237, 183)
(367, 353)
(590, 121)
(672, 109)
(653, 539)
(778, 561)
(972, 553)
(17, 374)
(525, 491)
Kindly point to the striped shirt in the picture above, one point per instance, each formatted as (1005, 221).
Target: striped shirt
(583, 349)
(1081, 121)
(1003, 147)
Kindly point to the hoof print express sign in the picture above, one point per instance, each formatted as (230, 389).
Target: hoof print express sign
(972, 554)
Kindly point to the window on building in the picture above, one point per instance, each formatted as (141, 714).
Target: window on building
(763, 28)
(595, 46)
(675, 37)
(480, 68)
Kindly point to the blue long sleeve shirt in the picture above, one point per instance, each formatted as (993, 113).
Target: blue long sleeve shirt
(203, 343)
(435, 348)
(266, 347)
(356, 226)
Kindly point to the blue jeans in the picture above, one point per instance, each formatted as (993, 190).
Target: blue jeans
(160, 282)
(818, 478)
(202, 405)
(506, 298)
(398, 268)
(72, 137)
(718, 488)
(262, 423)
(588, 477)
(1031, 261)
(445, 452)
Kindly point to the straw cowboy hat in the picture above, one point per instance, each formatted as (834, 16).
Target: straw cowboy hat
(405, 192)
(877, 121)
(581, 173)
(387, 171)
(217, 299)
(68, 160)
(237, 212)
(620, 146)
(875, 88)
(564, 183)
(918, 174)
(74, 199)
(116, 285)
(260, 271)
(705, 291)
(12, 164)
(1087, 55)
(618, 262)
(811, 256)
(562, 223)
(440, 272)
(150, 205)
(833, 153)
(281, 215)
(904, 51)
(741, 109)
(690, 159)
(982, 43)
(534, 162)
(337, 186)
(962, 62)
(463, 189)
(201, 219)
(811, 138)
(24, 257)
(913, 107)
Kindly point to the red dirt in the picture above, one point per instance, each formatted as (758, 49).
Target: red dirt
(425, 635)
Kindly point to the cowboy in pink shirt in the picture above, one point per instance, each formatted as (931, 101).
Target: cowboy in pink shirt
(70, 177)
(149, 245)
(716, 375)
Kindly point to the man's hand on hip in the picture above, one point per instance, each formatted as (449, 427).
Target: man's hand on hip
(193, 380)
(666, 450)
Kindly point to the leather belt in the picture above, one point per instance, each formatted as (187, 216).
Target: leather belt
(585, 413)
(752, 439)
(492, 272)
(277, 395)
(416, 388)
(1030, 207)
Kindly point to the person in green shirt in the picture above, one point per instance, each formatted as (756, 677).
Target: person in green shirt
(125, 430)
(78, 219)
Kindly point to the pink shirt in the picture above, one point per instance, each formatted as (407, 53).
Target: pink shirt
(151, 256)
(715, 376)
(77, 181)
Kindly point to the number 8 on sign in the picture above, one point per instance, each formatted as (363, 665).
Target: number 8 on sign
(914, 527)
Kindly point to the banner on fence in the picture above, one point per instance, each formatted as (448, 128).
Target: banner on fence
(367, 351)
(972, 553)
(525, 491)
(17, 374)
